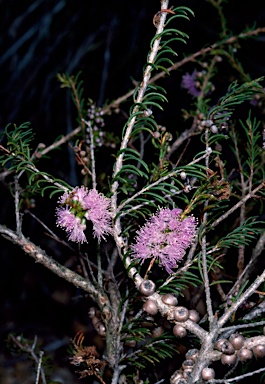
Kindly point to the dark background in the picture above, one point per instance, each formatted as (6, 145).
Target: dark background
(108, 41)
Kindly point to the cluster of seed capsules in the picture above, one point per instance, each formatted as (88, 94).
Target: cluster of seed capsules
(233, 350)
(95, 317)
(214, 126)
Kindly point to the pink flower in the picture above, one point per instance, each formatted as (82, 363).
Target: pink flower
(189, 83)
(75, 198)
(98, 211)
(80, 205)
(73, 225)
(165, 237)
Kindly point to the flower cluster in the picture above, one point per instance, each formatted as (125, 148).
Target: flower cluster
(194, 83)
(165, 237)
(95, 117)
(80, 205)
(97, 122)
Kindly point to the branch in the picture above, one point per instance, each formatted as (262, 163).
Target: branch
(120, 241)
(67, 274)
(191, 58)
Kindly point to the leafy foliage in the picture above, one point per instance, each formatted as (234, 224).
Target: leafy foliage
(236, 94)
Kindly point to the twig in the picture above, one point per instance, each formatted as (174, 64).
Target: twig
(39, 367)
(241, 248)
(255, 254)
(59, 142)
(241, 326)
(255, 312)
(241, 377)
(18, 220)
(231, 210)
(31, 351)
(92, 154)
(204, 250)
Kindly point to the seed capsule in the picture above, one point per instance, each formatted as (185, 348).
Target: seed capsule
(179, 331)
(158, 331)
(192, 354)
(219, 343)
(245, 354)
(150, 307)
(181, 314)
(208, 374)
(101, 330)
(170, 299)
(194, 316)
(96, 322)
(92, 312)
(147, 287)
(187, 373)
(176, 377)
(148, 322)
(237, 340)
(225, 346)
(228, 359)
(188, 364)
(259, 350)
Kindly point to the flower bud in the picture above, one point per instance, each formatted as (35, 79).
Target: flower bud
(156, 135)
(214, 128)
(183, 175)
